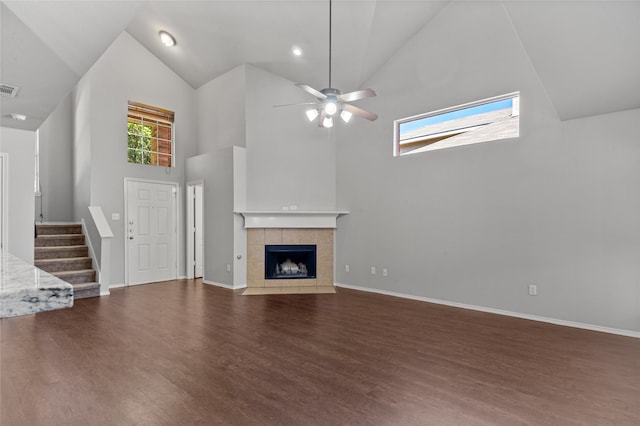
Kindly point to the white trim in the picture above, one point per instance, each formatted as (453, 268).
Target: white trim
(100, 278)
(291, 219)
(591, 327)
(458, 107)
(92, 253)
(396, 123)
(190, 252)
(227, 286)
(120, 285)
(178, 208)
(189, 262)
(104, 230)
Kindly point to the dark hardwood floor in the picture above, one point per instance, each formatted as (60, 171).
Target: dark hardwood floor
(180, 353)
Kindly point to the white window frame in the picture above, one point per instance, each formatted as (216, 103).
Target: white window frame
(515, 96)
(154, 117)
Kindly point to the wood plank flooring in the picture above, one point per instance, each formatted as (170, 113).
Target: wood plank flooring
(182, 353)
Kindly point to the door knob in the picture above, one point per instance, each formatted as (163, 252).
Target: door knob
(131, 237)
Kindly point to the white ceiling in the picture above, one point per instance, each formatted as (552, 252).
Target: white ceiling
(587, 54)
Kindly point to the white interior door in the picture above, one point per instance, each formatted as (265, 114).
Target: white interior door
(151, 232)
(198, 233)
(195, 232)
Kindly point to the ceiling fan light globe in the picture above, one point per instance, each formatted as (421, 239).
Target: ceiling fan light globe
(327, 122)
(330, 108)
(346, 116)
(312, 114)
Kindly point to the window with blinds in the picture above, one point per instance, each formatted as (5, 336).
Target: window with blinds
(150, 135)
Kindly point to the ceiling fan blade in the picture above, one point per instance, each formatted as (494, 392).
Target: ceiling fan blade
(311, 90)
(360, 112)
(358, 94)
(303, 103)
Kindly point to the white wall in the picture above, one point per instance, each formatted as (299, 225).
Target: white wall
(127, 71)
(221, 112)
(81, 123)
(289, 160)
(557, 207)
(56, 165)
(215, 170)
(19, 145)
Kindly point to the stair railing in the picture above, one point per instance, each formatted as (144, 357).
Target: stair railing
(102, 253)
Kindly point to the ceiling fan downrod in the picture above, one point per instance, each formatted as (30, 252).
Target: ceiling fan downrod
(330, 18)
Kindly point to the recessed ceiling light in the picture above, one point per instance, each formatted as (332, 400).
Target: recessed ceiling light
(296, 50)
(167, 39)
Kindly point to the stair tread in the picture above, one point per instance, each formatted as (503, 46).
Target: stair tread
(62, 259)
(51, 236)
(45, 248)
(77, 271)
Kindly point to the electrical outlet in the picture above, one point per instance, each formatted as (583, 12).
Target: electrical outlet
(115, 216)
(347, 268)
(228, 268)
(373, 270)
(533, 290)
(385, 272)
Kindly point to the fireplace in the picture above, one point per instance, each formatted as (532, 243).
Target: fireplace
(319, 268)
(286, 262)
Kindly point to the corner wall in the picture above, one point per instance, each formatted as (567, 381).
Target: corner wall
(289, 160)
(100, 148)
(557, 207)
(215, 171)
(56, 165)
(19, 145)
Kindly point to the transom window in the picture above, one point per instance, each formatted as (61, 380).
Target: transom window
(481, 121)
(150, 135)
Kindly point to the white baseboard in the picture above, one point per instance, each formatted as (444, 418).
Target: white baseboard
(592, 327)
(228, 286)
(105, 293)
(116, 285)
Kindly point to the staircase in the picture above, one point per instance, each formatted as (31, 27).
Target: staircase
(61, 251)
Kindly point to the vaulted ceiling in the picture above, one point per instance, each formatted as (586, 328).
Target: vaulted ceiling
(586, 53)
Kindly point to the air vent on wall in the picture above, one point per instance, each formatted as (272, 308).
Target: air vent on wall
(9, 91)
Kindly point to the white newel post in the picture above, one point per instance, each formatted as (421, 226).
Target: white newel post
(104, 230)
(105, 260)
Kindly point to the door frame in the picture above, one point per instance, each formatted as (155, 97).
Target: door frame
(176, 188)
(191, 255)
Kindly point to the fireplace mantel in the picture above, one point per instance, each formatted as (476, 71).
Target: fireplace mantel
(291, 218)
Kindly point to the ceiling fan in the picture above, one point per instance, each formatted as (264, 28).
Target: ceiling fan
(331, 102)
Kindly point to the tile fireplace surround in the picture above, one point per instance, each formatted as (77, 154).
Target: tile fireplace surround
(291, 228)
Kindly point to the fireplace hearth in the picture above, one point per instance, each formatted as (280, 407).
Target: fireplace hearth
(286, 262)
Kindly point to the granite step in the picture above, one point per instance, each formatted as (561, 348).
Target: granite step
(58, 229)
(84, 290)
(66, 264)
(76, 277)
(59, 240)
(60, 252)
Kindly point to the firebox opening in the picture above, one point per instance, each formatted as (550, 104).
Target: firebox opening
(289, 262)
